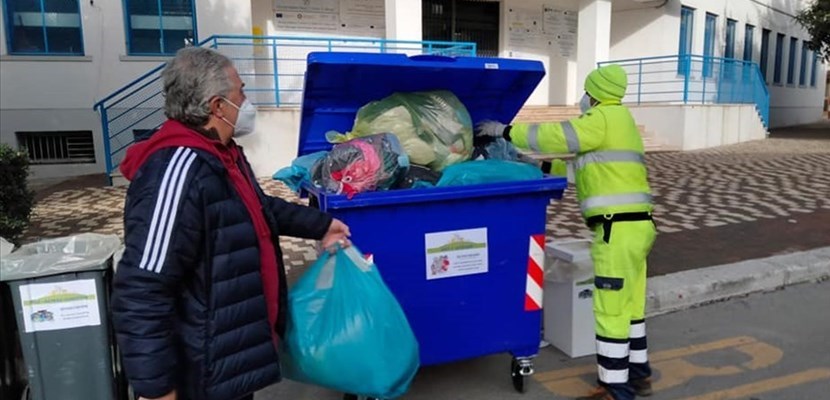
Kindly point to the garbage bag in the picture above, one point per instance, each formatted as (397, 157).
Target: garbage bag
(5, 247)
(487, 147)
(362, 164)
(488, 171)
(417, 175)
(84, 252)
(346, 331)
(434, 127)
(300, 170)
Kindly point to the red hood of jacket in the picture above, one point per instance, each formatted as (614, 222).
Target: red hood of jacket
(171, 134)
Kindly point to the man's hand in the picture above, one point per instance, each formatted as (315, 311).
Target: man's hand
(490, 128)
(168, 396)
(338, 233)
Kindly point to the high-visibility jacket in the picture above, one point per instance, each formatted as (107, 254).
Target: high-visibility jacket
(610, 168)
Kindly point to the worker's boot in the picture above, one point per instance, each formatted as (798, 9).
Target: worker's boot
(641, 386)
(599, 393)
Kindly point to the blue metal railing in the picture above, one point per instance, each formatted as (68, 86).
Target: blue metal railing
(693, 79)
(272, 67)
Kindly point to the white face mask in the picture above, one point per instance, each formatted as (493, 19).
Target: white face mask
(245, 119)
(585, 103)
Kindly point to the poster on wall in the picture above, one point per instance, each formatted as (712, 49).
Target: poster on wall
(307, 6)
(560, 29)
(343, 17)
(362, 14)
(299, 21)
(524, 29)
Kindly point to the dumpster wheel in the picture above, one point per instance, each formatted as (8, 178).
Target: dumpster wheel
(519, 369)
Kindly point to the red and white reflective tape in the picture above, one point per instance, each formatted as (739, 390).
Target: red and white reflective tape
(535, 273)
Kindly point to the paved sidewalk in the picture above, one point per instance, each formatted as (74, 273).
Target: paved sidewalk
(713, 206)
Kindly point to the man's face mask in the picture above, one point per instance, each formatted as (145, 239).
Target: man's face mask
(585, 103)
(245, 119)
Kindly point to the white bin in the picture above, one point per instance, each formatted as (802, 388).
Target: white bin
(568, 297)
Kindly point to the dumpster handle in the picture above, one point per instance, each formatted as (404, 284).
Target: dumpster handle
(431, 57)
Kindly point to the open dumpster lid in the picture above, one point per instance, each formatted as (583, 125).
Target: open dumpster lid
(338, 84)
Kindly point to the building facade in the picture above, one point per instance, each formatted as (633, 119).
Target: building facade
(57, 59)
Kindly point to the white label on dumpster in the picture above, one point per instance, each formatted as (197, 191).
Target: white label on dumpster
(59, 305)
(456, 253)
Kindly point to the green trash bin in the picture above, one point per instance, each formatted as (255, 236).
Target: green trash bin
(60, 291)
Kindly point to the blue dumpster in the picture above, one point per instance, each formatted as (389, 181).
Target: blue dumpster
(456, 258)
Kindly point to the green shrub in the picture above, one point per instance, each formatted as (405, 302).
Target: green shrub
(16, 200)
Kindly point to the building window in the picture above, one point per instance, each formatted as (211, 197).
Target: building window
(709, 44)
(779, 58)
(791, 64)
(729, 52)
(159, 27)
(43, 27)
(802, 76)
(748, 42)
(815, 70)
(686, 30)
(764, 52)
(74, 147)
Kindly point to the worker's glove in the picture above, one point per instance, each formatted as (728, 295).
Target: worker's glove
(490, 128)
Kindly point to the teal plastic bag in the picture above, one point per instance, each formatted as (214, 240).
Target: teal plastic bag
(300, 170)
(347, 332)
(488, 171)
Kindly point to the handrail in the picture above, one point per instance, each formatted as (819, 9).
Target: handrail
(272, 77)
(662, 58)
(691, 78)
(127, 86)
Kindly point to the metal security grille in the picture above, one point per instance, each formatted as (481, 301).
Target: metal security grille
(75, 147)
(465, 21)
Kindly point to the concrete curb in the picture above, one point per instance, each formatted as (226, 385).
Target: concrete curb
(682, 290)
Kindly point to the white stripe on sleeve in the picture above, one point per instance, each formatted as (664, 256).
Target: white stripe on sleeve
(166, 210)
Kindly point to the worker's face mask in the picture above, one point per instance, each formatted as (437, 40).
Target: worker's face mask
(585, 103)
(245, 118)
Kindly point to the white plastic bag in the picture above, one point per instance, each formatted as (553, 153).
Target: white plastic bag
(87, 251)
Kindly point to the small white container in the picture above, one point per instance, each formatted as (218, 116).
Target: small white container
(568, 312)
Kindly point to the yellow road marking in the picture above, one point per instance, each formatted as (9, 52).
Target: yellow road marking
(702, 348)
(763, 355)
(655, 357)
(678, 371)
(767, 385)
(673, 367)
(570, 387)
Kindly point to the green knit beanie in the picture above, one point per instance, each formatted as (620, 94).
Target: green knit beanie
(607, 83)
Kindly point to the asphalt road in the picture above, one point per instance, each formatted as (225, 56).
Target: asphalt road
(762, 347)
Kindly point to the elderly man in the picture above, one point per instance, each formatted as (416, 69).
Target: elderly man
(199, 298)
(613, 191)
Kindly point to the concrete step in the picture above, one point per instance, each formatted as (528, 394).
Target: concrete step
(118, 179)
(531, 114)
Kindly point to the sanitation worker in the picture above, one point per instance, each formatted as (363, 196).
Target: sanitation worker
(615, 200)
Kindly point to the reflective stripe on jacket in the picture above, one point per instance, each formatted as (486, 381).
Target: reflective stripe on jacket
(610, 170)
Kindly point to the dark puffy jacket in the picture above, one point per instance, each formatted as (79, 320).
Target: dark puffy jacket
(188, 304)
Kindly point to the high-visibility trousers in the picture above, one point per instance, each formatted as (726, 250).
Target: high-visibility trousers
(619, 253)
